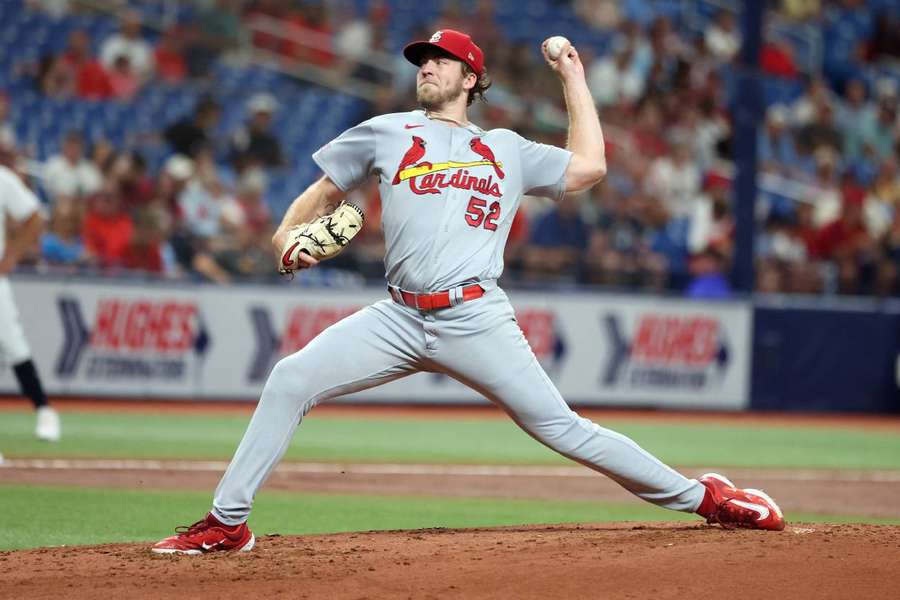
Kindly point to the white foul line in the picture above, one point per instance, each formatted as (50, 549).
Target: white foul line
(69, 464)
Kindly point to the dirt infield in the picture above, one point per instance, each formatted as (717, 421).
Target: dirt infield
(610, 561)
(626, 560)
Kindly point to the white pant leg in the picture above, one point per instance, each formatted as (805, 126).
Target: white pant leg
(376, 345)
(13, 345)
(494, 358)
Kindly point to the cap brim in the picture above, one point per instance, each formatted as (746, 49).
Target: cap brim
(414, 51)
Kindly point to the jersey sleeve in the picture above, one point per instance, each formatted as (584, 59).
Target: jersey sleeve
(19, 201)
(543, 169)
(349, 158)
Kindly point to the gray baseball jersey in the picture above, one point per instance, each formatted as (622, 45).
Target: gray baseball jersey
(18, 203)
(449, 195)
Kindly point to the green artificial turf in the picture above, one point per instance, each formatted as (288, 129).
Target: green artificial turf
(489, 441)
(54, 516)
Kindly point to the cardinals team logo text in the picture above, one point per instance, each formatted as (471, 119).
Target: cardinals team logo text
(430, 178)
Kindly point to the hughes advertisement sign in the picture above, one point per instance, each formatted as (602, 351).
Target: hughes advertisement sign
(699, 355)
(129, 340)
(202, 341)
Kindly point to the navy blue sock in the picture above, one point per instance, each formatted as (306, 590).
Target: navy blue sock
(27, 375)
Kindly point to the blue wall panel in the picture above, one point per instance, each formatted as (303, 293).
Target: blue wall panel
(825, 360)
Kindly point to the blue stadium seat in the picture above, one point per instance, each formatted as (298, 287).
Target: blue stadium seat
(639, 11)
(669, 8)
(671, 242)
(781, 91)
(707, 9)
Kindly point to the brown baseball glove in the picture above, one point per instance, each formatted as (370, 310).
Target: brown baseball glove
(321, 238)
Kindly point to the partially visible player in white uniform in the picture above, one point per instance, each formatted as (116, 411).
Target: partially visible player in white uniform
(449, 193)
(21, 216)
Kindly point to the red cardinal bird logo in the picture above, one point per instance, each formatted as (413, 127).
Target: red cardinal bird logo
(486, 153)
(412, 156)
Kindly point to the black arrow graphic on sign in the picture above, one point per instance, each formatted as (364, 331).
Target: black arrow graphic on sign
(201, 342)
(621, 350)
(76, 336)
(267, 344)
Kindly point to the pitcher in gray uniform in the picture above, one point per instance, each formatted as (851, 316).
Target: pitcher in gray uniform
(449, 193)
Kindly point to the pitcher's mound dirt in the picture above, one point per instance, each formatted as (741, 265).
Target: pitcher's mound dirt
(622, 560)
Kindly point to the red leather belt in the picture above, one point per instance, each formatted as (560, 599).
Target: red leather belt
(437, 300)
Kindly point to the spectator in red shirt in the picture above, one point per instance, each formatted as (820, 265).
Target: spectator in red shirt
(777, 58)
(262, 17)
(310, 23)
(91, 79)
(122, 79)
(170, 64)
(129, 170)
(846, 241)
(107, 228)
(144, 250)
(805, 228)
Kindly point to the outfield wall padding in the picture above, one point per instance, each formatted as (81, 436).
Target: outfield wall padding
(195, 341)
(840, 357)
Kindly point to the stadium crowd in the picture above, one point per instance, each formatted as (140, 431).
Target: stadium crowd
(828, 210)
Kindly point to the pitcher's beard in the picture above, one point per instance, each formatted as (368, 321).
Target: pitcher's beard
(432, 98)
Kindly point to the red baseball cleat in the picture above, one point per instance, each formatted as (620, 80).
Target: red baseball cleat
(207, 535)
(731, 507)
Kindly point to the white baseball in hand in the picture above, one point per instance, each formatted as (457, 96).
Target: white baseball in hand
(555, 46)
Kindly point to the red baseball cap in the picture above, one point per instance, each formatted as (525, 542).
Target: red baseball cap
(453, 42)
